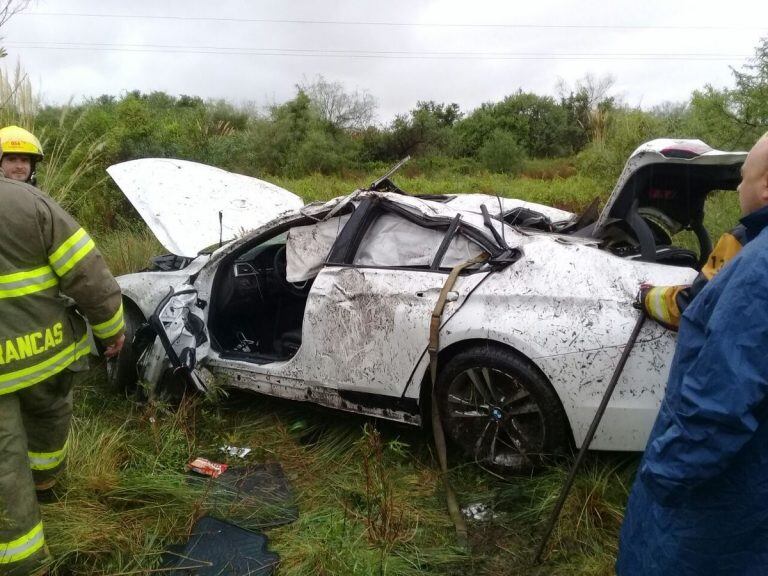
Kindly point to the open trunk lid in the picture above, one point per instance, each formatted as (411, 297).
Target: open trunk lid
(672, 177)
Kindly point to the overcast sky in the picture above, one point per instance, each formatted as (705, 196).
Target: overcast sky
(464, 51)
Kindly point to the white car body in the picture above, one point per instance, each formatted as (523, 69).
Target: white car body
(560, 301)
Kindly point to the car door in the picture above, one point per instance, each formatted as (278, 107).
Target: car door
(178, 336)
(366, 323)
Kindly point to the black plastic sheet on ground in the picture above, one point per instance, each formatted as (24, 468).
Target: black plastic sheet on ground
(218, 548)
(254, 496)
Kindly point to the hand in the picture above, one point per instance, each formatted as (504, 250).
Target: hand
(114, 349)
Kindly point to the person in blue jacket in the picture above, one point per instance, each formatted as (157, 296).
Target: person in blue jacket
(699, 504)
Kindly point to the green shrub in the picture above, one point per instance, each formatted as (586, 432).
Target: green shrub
(319, 152)
(627, 129)
(541, 125)
(502, 153)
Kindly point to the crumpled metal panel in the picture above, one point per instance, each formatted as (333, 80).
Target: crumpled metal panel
(365, 329)
(146, 289)
(180, 201)
(473, 201)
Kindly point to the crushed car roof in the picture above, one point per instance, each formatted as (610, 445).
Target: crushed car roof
(191, 206)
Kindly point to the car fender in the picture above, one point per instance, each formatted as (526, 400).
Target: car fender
(147, 289)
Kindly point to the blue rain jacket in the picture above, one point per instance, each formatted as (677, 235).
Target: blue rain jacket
(699, 504)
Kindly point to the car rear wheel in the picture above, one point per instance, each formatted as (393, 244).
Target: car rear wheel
(500, 410)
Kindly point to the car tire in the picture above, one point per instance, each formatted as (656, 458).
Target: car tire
(121, 370)
(500, 410)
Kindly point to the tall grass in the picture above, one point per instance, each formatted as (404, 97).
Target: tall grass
(368, 493)
(128, 249)
(570, 193)
(67, 171)
(368, 498)
(70, 163)
(586, 536)
(18, 102)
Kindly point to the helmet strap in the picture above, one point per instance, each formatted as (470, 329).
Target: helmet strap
(33, 172)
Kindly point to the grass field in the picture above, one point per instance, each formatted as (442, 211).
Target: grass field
(368, 492)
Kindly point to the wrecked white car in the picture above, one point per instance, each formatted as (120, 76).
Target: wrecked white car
(332, 303)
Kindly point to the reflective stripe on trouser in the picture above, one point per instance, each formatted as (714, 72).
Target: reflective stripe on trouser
(46, 410)
(42, 461)
(22, 545)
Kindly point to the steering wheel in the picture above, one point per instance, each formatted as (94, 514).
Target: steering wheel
(279, 267)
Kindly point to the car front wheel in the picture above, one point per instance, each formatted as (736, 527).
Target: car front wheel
(122, 372)
(500, 410)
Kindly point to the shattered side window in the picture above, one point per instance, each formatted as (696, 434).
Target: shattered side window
(393, 241)
(307, 247)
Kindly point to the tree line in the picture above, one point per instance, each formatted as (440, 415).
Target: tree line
(327, 129)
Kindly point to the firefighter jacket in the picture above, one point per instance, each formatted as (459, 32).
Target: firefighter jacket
(665, 304)
(50, 275)
(699, 504)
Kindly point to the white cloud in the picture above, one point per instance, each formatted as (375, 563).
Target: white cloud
(396, 83)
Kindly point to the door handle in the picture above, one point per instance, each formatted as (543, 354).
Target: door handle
(452, 296)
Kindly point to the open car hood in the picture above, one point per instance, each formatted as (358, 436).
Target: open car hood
(191, 206)
(672, 177)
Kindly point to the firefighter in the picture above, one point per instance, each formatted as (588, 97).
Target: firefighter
(21, 151)
(699, 503)
(665, 304)
(50, 275)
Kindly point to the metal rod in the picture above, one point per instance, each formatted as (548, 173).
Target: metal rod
(588, 438)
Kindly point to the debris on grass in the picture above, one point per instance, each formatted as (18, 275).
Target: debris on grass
(235, 451)
(478, 512)
(206, 467)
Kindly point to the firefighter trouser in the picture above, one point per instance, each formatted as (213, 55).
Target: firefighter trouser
(34, 425)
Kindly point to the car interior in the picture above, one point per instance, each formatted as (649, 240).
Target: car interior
(257, 313)
(657, 202)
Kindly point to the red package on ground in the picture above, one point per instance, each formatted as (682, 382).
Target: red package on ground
(206, 467)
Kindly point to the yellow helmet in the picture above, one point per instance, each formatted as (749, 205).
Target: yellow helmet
(15, 140)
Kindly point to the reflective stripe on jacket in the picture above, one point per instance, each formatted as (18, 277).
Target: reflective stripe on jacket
(665, 304)
(50, 275)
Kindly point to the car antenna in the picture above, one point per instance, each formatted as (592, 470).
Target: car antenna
(221, 227)
(501, 217)
(384, 183)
